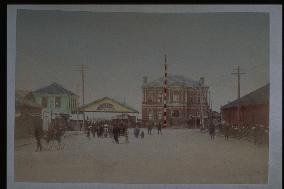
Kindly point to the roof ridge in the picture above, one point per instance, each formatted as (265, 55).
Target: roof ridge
(54, 88)
(173, 78)
(250, 94)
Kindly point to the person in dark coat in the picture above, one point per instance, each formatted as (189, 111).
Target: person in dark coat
(226, 131)
(212, 130)
(94, 129)
(142, 134)
(38, 133)
(88, 129)
(58, 134)
(150, 126)
(159, 128)
(116, 134)
(136, 131)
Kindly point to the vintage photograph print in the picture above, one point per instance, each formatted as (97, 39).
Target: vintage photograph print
(144, 98)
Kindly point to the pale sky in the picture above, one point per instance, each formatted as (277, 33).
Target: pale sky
(120, 48)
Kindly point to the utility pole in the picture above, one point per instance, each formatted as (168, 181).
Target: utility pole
(82, 69)
(77, 106)
(238, 73)
(201, 109)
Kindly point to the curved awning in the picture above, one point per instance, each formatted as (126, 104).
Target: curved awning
(107, 104)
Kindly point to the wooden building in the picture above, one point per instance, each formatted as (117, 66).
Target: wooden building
(27, 114)
(186, 98)
(56, 99)
(253, 109)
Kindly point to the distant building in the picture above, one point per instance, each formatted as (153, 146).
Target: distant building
(27, 113)
(254, 109)
(184, 102)
(56, 99)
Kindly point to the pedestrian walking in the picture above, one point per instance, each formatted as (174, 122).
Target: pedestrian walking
(150, 126)
(58, 134)
(212, 130)
(88, 130)
(226, 131)
(136, 132)
(159, 128)
(142, 134)
(94, 130)
(126, 137)
(38, 133)
(116, 134)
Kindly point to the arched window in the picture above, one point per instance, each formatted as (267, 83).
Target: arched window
(175, 96)
(160, 97)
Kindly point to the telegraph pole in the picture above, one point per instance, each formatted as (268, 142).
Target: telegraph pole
(82, 69)
(201, 110)
(238, 73)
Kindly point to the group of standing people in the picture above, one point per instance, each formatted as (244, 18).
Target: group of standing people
(107, 129)
(54, 132)
(151, 125)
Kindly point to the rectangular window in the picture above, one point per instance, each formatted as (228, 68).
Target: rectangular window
(160, 97)
(44, 101)
(73, 104)
(57, 102)
(175, 97)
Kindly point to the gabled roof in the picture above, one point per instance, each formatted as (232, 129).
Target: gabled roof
(259, 96)
(54, 88)
(113, 106)
(173, 80)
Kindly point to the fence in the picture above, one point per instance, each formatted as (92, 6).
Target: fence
(257, 135)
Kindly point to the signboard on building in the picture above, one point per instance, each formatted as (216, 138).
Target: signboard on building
(105, 107)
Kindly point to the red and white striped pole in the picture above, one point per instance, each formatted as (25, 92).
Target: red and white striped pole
(165, 93)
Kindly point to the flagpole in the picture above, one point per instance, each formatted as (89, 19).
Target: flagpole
(165, 93)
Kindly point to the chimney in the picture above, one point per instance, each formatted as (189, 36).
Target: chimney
(201, 81)
(145, 80)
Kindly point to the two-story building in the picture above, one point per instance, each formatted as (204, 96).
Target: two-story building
(186, 99)
(55, 99)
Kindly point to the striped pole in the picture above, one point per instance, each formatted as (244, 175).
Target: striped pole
(165, 93)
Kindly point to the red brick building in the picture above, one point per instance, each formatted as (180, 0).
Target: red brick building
(254, 109)
(184, 102)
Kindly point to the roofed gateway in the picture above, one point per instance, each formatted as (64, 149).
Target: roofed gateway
(107, 104)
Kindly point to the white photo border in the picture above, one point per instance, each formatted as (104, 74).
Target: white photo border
(275, 58)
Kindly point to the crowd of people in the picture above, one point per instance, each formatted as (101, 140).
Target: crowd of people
(116, 129)
(107, 129)
(255, 132)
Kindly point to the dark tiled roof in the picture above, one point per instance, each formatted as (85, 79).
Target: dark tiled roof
(259, 96)
(173, 80)
(54, 88)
